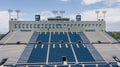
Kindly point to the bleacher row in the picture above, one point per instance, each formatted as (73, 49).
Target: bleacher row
(39, 53)
(50, 53)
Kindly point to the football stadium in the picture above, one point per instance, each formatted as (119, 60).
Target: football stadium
(58, 42)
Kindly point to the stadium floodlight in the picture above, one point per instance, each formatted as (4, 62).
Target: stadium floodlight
(10, 11)
(97, 12)
(62, 12)
(104, 12)
(55, 12)
(17, 11)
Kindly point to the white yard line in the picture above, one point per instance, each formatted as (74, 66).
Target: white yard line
(72, 49)
(48, 51)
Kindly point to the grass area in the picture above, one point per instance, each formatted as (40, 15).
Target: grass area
(1, 35)
(115, 35)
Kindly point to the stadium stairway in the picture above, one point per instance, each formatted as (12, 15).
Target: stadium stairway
(28, 49)
(91, 48)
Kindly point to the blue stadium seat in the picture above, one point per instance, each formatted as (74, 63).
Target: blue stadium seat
(90, 65)
(74, 37)
(115, 65)
(43, 37)
(57, 53)
(78, 65)
(63, 66)
(48, 66)
(38, 54)
(105, 65)
(58, 37)
(82, 53)
(31, 66)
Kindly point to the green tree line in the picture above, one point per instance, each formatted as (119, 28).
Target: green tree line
(1, 35)
(115, 35)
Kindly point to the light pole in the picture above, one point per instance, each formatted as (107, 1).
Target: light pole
(97, 12)
(62, 12)
(10, 11)
(55, 12)
(104, 12)
(17, 11)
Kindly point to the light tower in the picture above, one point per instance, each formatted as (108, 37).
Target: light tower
(10, 11)
(62, 12)
(97, 12)
(17, 11)
(104, 13)
(55, 12)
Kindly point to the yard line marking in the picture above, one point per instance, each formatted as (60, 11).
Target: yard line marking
(48, 51)
(77, 45)
(72, 49)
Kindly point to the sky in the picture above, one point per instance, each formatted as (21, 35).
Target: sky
(86, 8)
